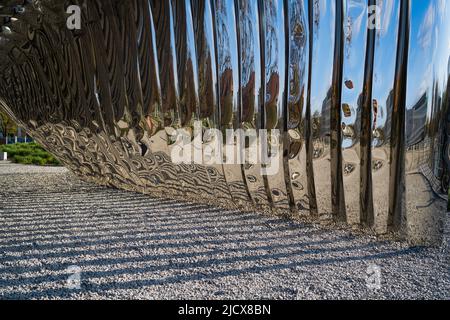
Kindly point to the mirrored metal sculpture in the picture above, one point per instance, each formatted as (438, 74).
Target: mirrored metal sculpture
(347, 99)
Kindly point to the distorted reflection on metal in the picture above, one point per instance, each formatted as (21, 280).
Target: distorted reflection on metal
(362, 107)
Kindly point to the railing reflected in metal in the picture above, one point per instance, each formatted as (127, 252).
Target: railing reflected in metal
(358, 91)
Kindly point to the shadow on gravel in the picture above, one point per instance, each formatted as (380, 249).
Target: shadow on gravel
(129, 245)
(38, 247)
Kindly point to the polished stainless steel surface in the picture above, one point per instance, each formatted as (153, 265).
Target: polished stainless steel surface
(251, 91)
(323, 39)
(353, 95)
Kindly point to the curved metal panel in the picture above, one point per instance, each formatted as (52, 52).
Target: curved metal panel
(251, 98)
(382, 109)
(227, 28)
(297, 116)
(204, 31)
(321, 94)
(425, 120)
(351, 111)
(274, 51)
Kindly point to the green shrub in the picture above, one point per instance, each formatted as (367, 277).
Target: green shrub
(22, 159)
(38, 161)
(29, 153)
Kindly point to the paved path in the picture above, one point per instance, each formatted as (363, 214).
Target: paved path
(116, 244)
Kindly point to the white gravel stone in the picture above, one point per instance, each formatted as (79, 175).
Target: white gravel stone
(132, 246)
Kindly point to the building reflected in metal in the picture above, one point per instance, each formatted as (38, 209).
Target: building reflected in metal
(363, 112)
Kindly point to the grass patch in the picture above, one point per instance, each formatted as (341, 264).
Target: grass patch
(29, 153)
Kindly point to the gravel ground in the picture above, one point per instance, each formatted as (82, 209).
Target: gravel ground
(61, 238)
